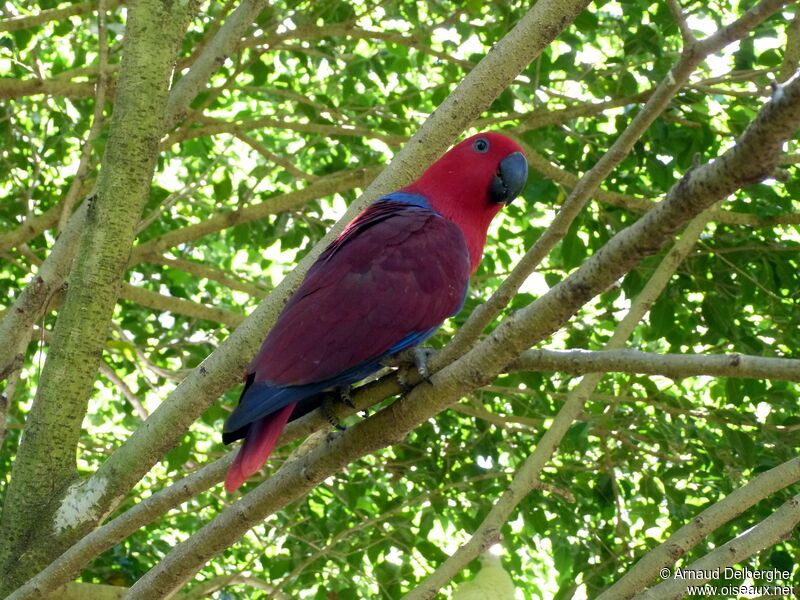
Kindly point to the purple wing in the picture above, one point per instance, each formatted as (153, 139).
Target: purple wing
(398, 270)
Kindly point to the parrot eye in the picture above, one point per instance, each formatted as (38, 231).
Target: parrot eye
(481, 145)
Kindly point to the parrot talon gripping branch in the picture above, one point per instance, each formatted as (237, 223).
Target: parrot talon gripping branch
(330, 417)
(344, 395)
(421, 356)
(386, 284)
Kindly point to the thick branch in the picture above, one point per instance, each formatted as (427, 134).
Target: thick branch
(17, 88)
(35, 296)
(65, 567)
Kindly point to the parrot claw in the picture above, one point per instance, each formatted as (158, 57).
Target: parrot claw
(421, 356)
(418, 356)
(344, 396)
(329, 416)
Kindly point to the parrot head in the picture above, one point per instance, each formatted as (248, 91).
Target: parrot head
(472, 182)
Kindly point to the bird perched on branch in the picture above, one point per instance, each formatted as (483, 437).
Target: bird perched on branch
(386, 284)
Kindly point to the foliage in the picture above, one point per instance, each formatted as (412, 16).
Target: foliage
(318, 88)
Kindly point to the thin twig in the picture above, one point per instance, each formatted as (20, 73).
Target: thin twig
(680, 19)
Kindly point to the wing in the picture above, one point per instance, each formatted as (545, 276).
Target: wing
(398, 271)
(387, 283)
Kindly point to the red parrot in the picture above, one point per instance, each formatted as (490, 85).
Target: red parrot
(387, 283)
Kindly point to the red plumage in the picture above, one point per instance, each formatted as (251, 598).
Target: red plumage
(456, 187)
(385, 284)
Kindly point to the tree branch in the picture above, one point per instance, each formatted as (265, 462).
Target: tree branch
(53, 14)
(180, 306)
(527, 476)
(791, 56)
(350, 30)
(775, 528)
(98, 120)
(688, 536)
(680, 20)
(556, 116)
(17, 88)
(211, 58)
(210, 126)
(674, 366)
(87, 591)
(209, 586)
(272, 157)
(31, 228)
(125, 389)
(65, 567)
(203, 271)
(641, 204)
(34, 297)
(324, 186)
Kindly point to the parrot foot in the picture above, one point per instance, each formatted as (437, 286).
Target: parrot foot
(329, 416)
(344, 395)
(346, 398)
(417, 356)
(421, 356)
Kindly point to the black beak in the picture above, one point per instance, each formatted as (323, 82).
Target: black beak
(510, 178)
